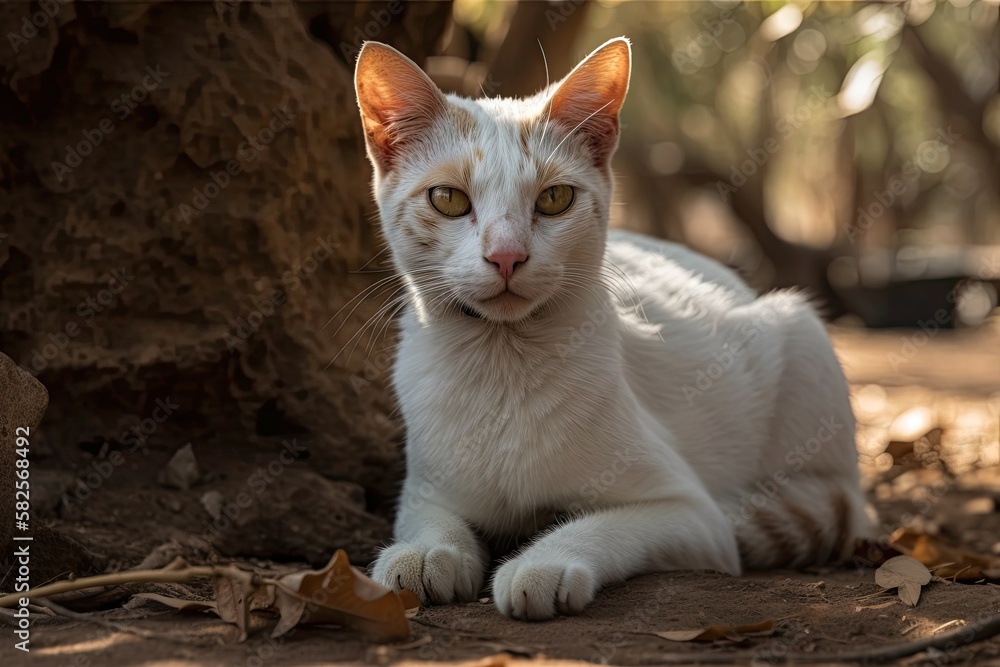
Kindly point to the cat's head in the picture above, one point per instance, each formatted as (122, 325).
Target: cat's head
(495, 206)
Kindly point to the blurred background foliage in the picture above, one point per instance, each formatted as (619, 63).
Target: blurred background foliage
(852, 149)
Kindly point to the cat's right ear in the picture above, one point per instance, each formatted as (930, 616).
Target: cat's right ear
(398, 101)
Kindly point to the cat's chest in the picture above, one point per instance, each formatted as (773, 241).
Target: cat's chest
(503, 473)
(492, 428)
(479, 377)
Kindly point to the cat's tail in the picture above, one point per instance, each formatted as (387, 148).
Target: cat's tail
(803, 522)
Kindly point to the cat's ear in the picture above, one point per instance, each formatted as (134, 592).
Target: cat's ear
(590, 97)
(398, 101)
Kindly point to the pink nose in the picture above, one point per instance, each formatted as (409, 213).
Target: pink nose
(506, 262)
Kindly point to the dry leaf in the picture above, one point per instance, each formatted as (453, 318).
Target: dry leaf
(237, 593)
(909, 592)
(714, 632)
(340, 594)
(906, 574)
(179, 604)
(411, 603)
(946, 560)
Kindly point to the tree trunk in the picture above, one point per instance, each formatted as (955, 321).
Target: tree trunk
(186, 199)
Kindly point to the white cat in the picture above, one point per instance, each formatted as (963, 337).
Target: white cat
(634, 397)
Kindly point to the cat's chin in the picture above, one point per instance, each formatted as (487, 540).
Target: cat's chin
(504, 307)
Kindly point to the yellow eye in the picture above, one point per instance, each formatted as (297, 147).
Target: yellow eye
(449, 201)
(554, 200)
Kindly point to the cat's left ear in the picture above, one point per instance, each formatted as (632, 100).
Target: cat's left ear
(590, 97)
(398, 101)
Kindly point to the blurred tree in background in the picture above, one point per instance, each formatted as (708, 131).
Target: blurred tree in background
(849, 148)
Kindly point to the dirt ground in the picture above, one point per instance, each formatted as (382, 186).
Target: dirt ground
(929, 440)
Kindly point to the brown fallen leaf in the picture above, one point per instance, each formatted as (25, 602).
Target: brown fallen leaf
(411, 603)
(237, 593)
(341, 595)
(906, 574)
(947, 560)
(714, 632)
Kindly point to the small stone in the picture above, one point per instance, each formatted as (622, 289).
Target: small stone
(170, 504)
(212, 502)
(182, 470)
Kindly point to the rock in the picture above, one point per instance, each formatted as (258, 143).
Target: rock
(212, 502)
(213, 289)
(23, 401)
(301, 516)
(181, 471)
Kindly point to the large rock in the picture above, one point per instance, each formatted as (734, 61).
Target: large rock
(186, 199)
(23, 400)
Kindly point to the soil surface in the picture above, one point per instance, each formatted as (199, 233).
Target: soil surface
(929, 439)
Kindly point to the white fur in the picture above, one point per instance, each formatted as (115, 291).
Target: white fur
(610, 395)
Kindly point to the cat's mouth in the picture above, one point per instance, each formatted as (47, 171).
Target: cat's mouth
(505, 296)
(502, 306)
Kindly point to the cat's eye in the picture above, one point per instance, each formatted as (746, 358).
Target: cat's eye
(450, 201)
(554, 200)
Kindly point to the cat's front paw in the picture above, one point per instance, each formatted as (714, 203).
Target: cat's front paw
(437, 575)
(536, 590)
